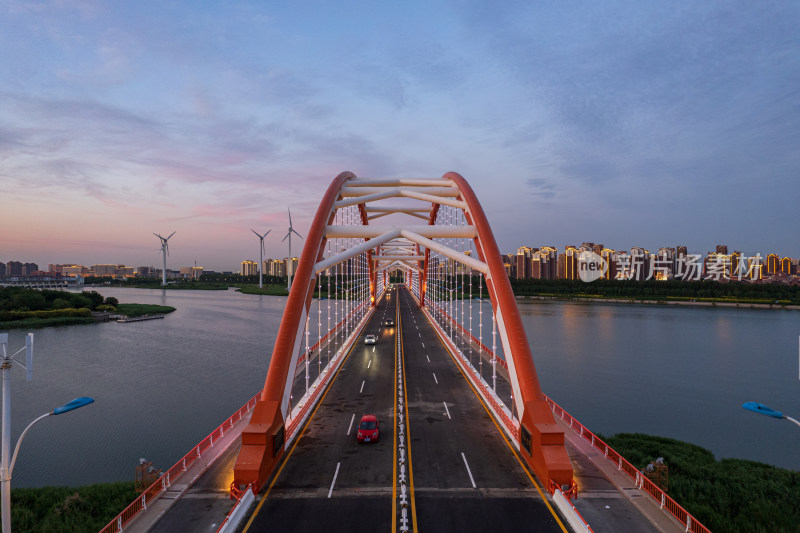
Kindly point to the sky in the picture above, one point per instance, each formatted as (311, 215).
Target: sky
(627, 123)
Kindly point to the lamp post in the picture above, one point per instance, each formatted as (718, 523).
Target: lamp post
(6, 465)
(762, 409)
(7, 469)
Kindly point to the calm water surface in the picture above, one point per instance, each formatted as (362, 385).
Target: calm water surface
(161, 386)
(675, 371)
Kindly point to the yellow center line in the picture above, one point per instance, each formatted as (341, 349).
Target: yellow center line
(394, 459)
(408, 437)
(296, 441)
(499, 429)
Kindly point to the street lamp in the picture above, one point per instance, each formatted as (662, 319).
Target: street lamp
(762, 409)
(6, 466)
(6, 470)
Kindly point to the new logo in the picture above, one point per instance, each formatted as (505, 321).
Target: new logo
(591, 266)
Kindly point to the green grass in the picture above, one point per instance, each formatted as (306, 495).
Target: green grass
(46, 322)
(725, 495)
(134, 310)
(268, 290)
(68, 510)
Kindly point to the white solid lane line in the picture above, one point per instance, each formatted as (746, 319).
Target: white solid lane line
(446, 410)
(351, 423)
(465, 464)
(337, 473)
(434, 378)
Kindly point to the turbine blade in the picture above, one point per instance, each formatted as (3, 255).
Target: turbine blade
(254, 231)
(290, 216)
(171, 234)
(293, 231)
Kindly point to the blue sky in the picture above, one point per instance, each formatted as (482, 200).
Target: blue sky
(626, 123)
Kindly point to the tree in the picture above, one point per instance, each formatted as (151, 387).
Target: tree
(79, 300)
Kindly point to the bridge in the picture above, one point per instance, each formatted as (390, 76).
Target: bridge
(468, 441)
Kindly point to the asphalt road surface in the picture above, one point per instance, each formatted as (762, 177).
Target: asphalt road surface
(461, 474)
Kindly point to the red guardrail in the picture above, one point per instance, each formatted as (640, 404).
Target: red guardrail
(166, 479)
(663, 499)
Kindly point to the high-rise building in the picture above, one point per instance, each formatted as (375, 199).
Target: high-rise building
(74, 270)
(544, 263)
(522, 262)
(568, 263)
(772, 265)
(786, 266)
(277, 268)
(663, 264)
(249, 268)
(291, 264)
(639, 264)
(101, 271)
(2, 270)
(13, 268)
(610, 257)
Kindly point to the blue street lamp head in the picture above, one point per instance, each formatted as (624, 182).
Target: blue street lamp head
(762, 409)
(77, 403)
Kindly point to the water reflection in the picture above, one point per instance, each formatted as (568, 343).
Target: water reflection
(680, 372)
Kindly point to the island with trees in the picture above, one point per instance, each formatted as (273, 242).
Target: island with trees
(31, 308)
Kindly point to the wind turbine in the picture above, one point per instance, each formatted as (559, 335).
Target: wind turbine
(164, 253)
(261, 263)
(290, 264)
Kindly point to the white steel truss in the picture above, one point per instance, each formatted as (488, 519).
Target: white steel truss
(400, 246)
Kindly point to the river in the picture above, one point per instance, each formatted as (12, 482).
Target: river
(161, 386)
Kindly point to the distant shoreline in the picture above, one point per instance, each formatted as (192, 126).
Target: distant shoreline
(661, 302)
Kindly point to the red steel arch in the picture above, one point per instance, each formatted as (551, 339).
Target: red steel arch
(541, 441)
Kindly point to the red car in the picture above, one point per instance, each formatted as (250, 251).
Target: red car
(368, 429)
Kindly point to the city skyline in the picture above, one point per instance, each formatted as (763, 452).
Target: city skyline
(635, 123)
(240, 263)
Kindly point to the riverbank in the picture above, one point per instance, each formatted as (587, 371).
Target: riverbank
(72, 317)
(725, 495)
(82, 509)
(695, 303)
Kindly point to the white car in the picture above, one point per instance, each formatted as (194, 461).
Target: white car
(370, 339)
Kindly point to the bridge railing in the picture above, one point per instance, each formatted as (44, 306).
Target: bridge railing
(641, 481)
(167, 478)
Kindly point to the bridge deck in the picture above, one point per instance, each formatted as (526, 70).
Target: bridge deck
(462, 475)
(363, 496)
